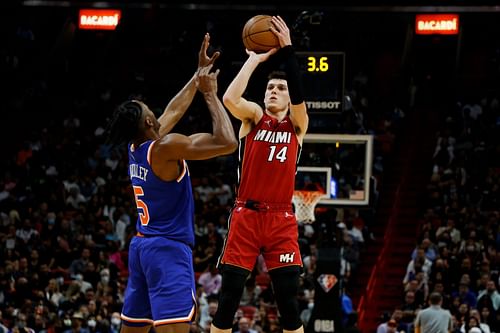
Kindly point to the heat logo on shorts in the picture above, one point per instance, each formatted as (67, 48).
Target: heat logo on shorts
(287, 257)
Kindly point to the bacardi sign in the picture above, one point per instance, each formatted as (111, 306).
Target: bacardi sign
(99, 19)
(430, 24)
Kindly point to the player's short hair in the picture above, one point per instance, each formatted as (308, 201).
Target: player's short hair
(280, 75)
(123, 126)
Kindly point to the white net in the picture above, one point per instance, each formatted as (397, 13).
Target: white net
(304, 203)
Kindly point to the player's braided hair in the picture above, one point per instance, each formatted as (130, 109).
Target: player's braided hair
(123, 126)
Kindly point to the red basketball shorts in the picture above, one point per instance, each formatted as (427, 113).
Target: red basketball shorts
(274, 233)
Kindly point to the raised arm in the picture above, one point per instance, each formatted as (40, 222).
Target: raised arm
(201, 146)
(239, 107)
(298, 109)
(177, 106)
(180, 102)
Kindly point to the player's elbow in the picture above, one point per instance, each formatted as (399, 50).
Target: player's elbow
(231, 146)
(229, 101)
(226, 142)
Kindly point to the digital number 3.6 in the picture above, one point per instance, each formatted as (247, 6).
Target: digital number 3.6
(317, 66)
(142, 207)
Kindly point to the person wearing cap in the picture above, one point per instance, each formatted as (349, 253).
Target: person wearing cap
(391, 325)
(433, 319)
(77, 320)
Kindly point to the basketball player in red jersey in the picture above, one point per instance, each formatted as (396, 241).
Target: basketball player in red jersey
(262, 221)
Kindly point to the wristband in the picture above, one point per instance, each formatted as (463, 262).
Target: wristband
(292, 70)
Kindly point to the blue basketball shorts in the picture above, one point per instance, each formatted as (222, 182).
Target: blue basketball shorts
(161, 286)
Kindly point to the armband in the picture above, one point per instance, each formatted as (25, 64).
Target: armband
(292, 70)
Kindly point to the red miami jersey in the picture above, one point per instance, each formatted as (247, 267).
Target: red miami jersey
(268, 158)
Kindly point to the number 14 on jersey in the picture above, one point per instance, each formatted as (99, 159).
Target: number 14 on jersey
(280, 155)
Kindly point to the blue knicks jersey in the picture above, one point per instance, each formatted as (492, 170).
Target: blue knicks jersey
(165, 208)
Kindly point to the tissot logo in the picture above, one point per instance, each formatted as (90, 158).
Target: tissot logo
(330, 105)
(287, 257)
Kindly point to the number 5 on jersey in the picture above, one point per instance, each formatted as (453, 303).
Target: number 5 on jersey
(141, 205)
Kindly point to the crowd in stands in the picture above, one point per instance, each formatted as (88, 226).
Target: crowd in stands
(458, 245)
(67, 212)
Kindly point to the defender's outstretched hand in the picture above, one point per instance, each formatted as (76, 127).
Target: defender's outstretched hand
(207, 81)
(203, 59)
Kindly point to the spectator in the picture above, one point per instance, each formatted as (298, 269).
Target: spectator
(474, 313)
(77, 320)
(251, 292)
(3, 328)
(492, 293)
(391, 326)
(420, 262)
(27, 234)
(347, 306)
(52, 293)
(244, 326)
(115, 323)
(465, 295)
(78, 265)
(210, 280)
(452, 231)
(75, 198)
(207, 316)
(433, 319)
(305, 315)
(223, 192)
(429, 250)
(392, 323)
(471, 326)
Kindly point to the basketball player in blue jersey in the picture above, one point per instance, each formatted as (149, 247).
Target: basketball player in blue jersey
(161, 287)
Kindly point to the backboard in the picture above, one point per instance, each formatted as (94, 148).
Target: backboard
(340, 165)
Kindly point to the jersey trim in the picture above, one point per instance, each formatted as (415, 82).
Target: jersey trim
(189, 317)
(284, 266)
(149, 153)
(148, 157)
(137, 320)
(183, 172)
(219, 260)
(176, 320)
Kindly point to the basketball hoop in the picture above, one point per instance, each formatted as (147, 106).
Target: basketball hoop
(305, 202)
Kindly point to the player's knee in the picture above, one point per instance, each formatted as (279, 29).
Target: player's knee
(286, 286)
(233, 283)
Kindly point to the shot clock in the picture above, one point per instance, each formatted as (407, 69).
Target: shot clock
(323, 80)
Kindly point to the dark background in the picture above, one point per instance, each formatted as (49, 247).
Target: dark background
(154, 49)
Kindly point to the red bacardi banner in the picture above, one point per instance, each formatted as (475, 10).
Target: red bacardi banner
(99, 19)
(442, 24)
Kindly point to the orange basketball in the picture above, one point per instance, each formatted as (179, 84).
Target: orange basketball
(257, 35)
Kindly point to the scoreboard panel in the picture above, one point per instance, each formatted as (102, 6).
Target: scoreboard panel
(323, 76)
